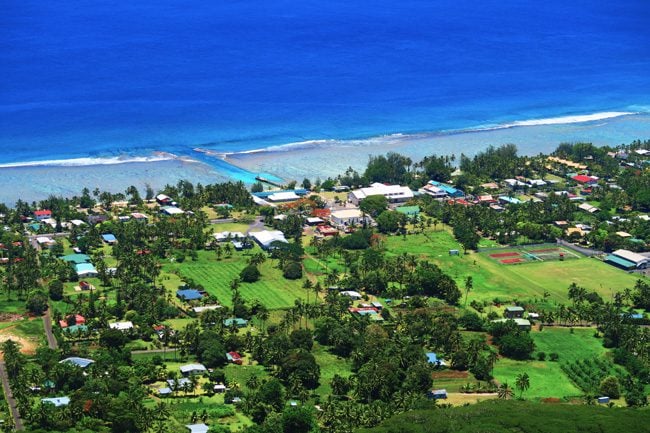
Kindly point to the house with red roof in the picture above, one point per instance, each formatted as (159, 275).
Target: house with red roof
(585, 180)
(42, 214)
(78, 320)
(235, 358)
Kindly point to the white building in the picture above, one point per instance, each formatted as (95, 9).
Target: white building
(266, 237)
(225, 236)
(348, 217)
(121, 326)
(393, 193)
(639, 260)
(283, 196)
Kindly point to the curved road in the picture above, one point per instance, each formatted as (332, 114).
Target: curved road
(47, 324)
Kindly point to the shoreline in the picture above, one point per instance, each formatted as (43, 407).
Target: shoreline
(321, 158)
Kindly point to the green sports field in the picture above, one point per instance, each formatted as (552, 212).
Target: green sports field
(492, 279)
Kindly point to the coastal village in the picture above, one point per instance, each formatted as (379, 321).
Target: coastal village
(333, 304)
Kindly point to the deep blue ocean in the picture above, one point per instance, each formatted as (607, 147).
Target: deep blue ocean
(101, 78)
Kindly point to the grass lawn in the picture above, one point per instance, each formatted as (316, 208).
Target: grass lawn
(241, 373)
(580, 344)
(330, 365)
(228, 227)
(272, 289)
(546, 378)
(509, 282)
(12, 306)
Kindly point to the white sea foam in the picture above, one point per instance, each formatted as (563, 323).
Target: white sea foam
(81, 162)
(400, 137)
(571, 119)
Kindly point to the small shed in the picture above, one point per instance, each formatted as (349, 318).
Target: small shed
(437, 394)
(164, 392)
(603, 400)
(220, 388)
(454, 253)
(513, 312)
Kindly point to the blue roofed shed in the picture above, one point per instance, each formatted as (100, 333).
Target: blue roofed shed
(188, 294)
(109, 238)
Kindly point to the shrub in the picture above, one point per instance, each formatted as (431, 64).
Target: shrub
(250, 274)
(554, 357)
(610, 387)
(541, 356)
(292, 271)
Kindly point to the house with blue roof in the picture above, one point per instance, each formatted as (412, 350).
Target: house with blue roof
(188, 294)
(504, 199)
(433, 359)
(109, 238)
(79, 362)
(85, 270)
(56, 401)
(448, 189)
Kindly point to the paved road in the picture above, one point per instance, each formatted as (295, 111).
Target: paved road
(256, 225)
(586, 251)
(11, 402)
(47, 324)
(168, 350)
(222, 220)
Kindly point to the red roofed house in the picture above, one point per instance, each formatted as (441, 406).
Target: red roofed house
(42, 214)
(78, 320)
(234, 357)
(584, 179)
(326, 230)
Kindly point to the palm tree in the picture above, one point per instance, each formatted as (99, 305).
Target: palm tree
(469, 285)
(505, 392)
(522, 383)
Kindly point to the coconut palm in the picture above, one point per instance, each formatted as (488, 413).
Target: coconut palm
(505, 392)
(522, 383)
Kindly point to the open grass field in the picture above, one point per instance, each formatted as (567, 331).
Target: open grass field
(524, 281)
(272, 289)
(547, 378)
(580, 344)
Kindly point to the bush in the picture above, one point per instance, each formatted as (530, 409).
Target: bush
(250, 274)
(56, 290)
(516, 345)
(610, 387)
(292, 271)
(37, 303)
(541, 356)
(554, 357)
(471, 321)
